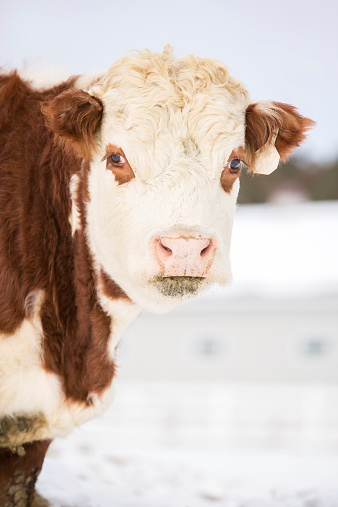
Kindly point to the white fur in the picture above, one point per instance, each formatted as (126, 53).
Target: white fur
(123, 313)
(42, 77)
(177, 135)
(26, 388)
(84, 81)
(74, 218)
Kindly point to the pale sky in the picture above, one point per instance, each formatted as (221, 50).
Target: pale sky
(284, 51)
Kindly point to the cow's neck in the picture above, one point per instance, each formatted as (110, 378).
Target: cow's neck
(108, 294)
(99, 314)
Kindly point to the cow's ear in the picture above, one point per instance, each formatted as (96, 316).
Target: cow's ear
(74, 116)
(273, 131)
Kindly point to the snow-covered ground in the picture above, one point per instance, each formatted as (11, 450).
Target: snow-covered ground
(285, 251)
(184, 445)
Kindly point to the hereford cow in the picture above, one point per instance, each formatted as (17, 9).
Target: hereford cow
(117, 193)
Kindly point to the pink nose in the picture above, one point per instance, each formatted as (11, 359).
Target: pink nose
(184, 253)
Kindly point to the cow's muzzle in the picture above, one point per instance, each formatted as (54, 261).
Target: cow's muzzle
(184, 254)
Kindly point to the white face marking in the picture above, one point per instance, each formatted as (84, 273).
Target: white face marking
(177, 143)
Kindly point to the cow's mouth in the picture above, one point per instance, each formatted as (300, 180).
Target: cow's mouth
(177, 286)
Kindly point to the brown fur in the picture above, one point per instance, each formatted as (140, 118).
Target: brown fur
(229, 176)
(263, 125)
(122, 172)
(86, 366)
(75, 116)
(34, 202)
(110, 288)
(37, 251)
(19, 472)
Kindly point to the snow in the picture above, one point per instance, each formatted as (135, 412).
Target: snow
(168, 478)
(283, 252)
(152, 449)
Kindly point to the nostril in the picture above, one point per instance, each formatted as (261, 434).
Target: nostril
(165, 249)
(206, 250)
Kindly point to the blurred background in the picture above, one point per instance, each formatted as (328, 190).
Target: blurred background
(231, 399)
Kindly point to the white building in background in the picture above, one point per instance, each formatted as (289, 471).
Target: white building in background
(277, 323)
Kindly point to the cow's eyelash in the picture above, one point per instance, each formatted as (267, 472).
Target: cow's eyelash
(110, 155)
(243, 164)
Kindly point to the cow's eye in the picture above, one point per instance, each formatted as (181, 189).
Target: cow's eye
(235, 165)
(116, 158)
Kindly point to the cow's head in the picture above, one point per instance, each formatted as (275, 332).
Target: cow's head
(165, 140)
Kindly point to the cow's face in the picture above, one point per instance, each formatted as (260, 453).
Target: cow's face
(162, 190)
(163, 178)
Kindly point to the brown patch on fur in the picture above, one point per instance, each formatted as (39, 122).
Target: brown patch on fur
(266, 121)
(75, 116)
(18, 473)
(34, 202)
(79, 352)
(37, 251)
(110, 288)
(89, 368)
(122, 172)
(229, 176)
